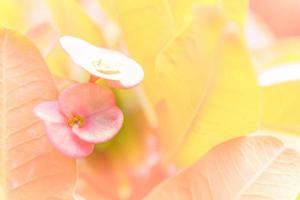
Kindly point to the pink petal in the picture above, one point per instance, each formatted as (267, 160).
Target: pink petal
(49, 111)
(85, 99)
(101, 126)
(62, 137)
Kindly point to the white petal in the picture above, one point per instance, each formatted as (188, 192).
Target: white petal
(129, 73)
(279, 74)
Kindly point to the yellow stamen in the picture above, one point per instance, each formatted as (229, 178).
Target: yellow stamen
(76, 119)
(96, 63)
(104, 68)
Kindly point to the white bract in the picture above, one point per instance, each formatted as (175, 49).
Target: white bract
(107, 64)
(280, 74)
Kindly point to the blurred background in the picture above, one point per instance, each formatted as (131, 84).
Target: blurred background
(152, 146)
(282, 16)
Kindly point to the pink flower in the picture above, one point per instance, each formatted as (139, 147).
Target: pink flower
(84, 115)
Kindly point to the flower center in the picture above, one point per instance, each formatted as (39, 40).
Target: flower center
(76, 119)
(104, 67)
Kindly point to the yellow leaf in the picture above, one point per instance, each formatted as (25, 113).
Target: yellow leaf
(30, 167)
(232, 107)
(146, 27)
(71, 20)
(281, 106)
(205, 88)
(183, 72)
(281, 52)
(235, 10)
(11, 15)
(183, 10)
(281, 100)
(110, 8)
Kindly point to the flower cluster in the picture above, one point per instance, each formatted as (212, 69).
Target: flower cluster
(86, 114)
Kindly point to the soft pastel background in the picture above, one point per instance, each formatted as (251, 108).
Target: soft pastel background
(201, 125)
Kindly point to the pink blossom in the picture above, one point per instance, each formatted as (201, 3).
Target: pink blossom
(84, 115)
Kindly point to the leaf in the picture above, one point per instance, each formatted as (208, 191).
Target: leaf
(281, 106)
(184, 82)
(68, 16)
(146, 27)
(183, 10)
(30, 167)
(288, 138)
(45, 37)
(205, 89)
(11, 15)
(280, 52)
(111, 31)
(235, 11)
(281, 98)
(243, 168)
(232, 10)
(21, 14)
(71, 20)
